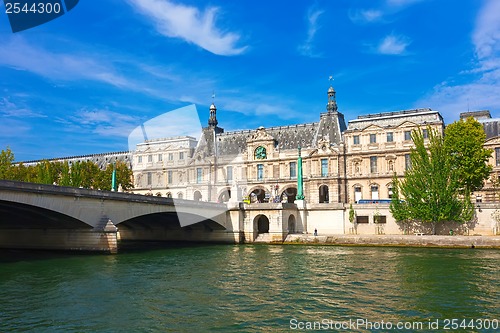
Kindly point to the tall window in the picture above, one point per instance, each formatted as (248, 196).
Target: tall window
(324, 167)
(150, 178)
(199, 175)
(229, 173)
(170, 156)
(169, 176)
(390, 137)
(150, 158)
(374, 191)
(181, 155)
(425, 134)
(373, 138)
(407, 135)
(407, 162)
(355, 139)
(293, 169)
(497, 156)
(260, 171)
(139, 159)
(373, 164)
(160, 157)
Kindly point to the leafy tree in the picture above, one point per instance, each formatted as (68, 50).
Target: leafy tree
(6, 159)
(431, 187)
(463, 141)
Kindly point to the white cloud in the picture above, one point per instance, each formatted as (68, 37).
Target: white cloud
(312, 19)
(21, 55)
(481, 86)
(189, 24)
(13, 110)
(393, 45)
(366, 16)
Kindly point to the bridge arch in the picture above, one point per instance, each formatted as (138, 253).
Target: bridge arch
(21, 215)
(259, 192)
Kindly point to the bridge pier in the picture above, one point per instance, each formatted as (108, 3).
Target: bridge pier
(60, 239)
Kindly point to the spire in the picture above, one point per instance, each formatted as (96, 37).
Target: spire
(212, 120)
(331, 107)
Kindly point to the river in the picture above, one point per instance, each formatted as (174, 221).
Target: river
(252, 288)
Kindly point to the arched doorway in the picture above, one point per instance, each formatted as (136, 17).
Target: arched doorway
(197, 196)
(290, 194)
(225, 195)
(259, 194)
(291, 224)
(262, 224)
(324, 196)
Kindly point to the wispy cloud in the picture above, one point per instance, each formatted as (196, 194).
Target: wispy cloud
(401, 3)
(13, 110)
(312, 18)
(190, 24)
(366, 15)
(102, 122)
(483, 82)
(17, 53)
(393, 45)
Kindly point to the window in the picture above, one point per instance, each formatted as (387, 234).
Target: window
(150, 178)
(390, 137)
(373, 164)
(390, 166)
(373, 138)
(293, 169)
(407, 135)
(389, 191)
(169, 176)
(199, 175)
(355, 140)
(150, 158)
(361, 219)
(260, 171)
(324, 167)
(374, 191)
(181, 155)
(139, 159)
(229, 173)
(170, 156)
(357, 194)
(407, 162)
(497, 156)
(160, 157)
(425, 134)
(379, 219)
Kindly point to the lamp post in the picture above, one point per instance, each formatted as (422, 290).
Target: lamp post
(113, 178)
(300, 194)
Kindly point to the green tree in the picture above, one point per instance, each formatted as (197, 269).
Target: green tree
(6, 159)
(431, 187)
(463, 141)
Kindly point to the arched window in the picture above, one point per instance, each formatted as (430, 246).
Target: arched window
(324, 196)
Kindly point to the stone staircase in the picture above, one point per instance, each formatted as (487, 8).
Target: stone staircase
(263, 238)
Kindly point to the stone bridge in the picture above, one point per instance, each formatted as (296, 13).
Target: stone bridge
(56, 217)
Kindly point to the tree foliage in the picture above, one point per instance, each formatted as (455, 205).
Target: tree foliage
(430, 189)
(463, 142)
(85, 174)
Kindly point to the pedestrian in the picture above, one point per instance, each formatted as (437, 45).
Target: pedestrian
(315, 232)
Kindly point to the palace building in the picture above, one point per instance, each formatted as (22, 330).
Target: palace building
(341, 164)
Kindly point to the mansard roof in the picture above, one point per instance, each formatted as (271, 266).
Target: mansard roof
(395, 119)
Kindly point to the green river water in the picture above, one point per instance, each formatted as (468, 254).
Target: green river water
(252, 288)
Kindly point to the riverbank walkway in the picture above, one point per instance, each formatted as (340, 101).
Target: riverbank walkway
(455, 241)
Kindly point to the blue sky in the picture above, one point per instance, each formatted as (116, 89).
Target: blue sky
(81, 83)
